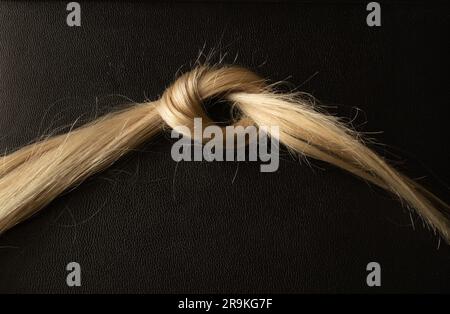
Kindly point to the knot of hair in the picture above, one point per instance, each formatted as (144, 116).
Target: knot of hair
(184, 100)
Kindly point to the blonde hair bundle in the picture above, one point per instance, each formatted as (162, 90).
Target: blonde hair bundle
(33, 176)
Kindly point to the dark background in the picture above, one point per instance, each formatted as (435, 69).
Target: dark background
(150, 225)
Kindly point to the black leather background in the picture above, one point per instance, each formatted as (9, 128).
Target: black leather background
(150, 225)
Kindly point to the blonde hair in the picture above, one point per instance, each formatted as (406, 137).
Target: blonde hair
(33, 176)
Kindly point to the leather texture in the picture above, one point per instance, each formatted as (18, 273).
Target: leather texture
(148, 224)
